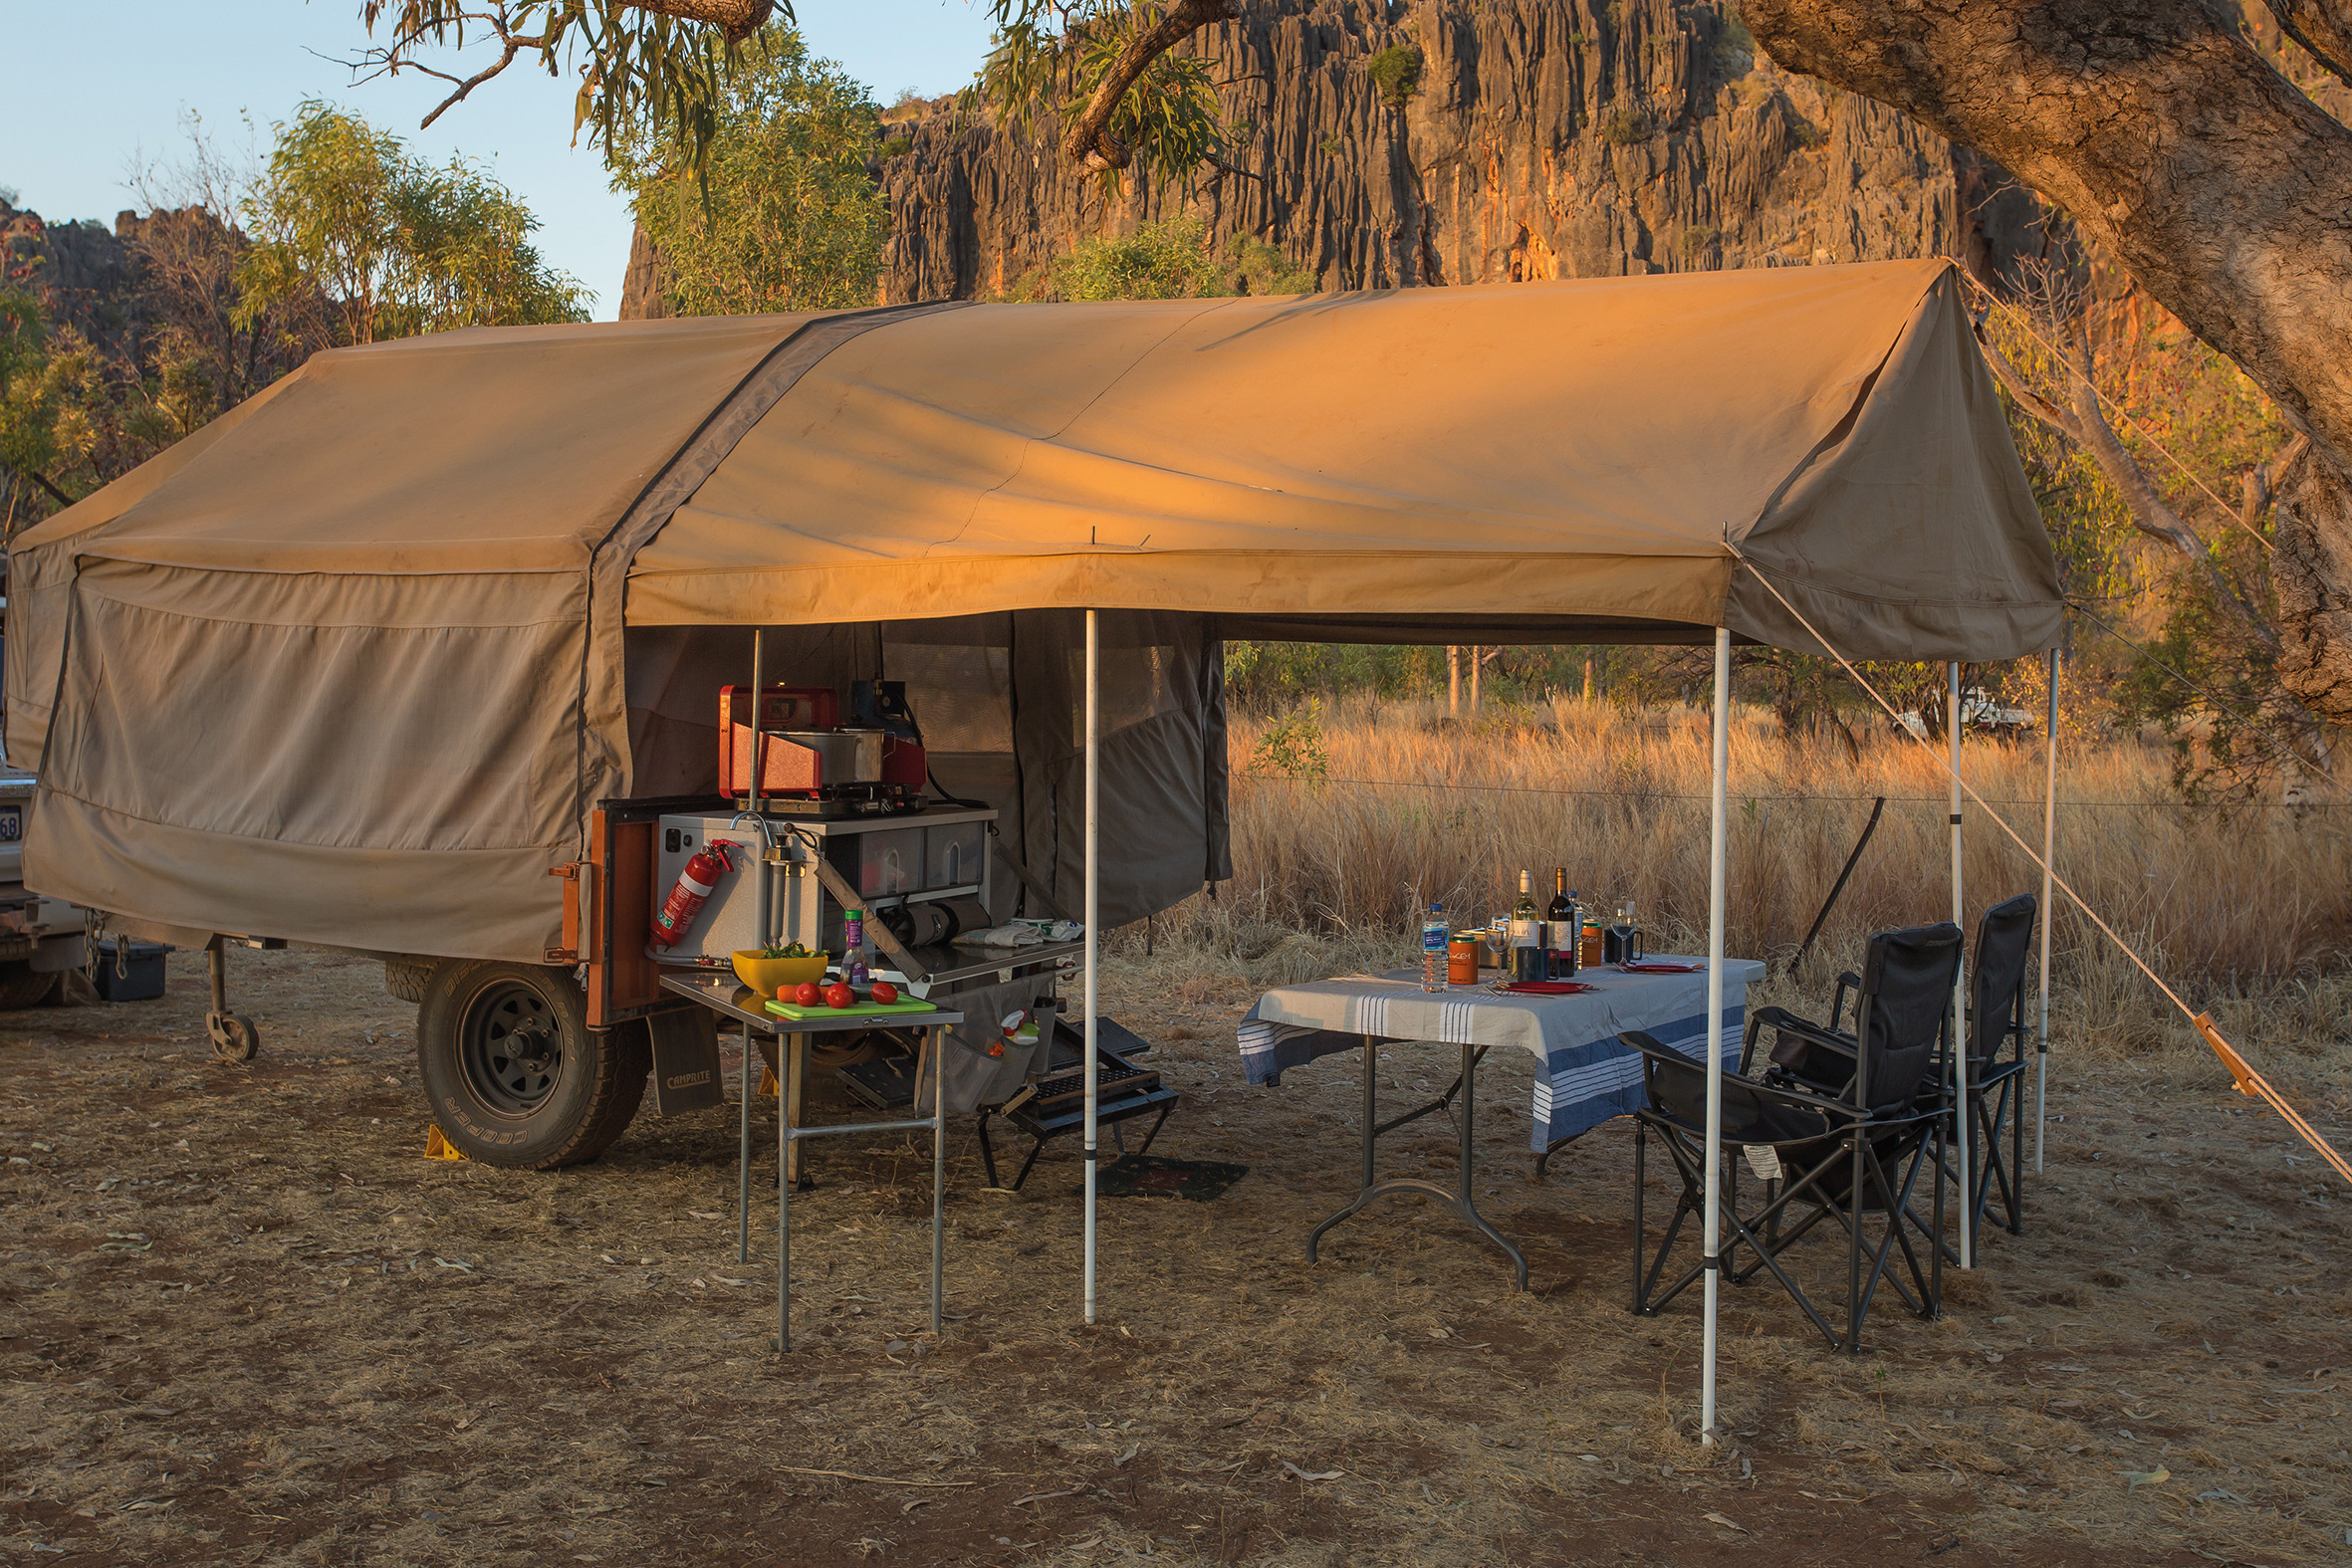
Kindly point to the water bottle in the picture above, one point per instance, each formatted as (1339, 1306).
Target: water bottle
(1434, 932)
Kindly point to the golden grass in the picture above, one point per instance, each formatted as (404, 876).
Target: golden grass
(2240, 909)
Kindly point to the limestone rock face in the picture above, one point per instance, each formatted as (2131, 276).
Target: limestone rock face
(1537, 139)
(85, 277)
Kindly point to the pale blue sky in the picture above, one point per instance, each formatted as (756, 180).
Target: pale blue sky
(93, 89)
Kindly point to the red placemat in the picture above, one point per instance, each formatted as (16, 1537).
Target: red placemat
(1541, 988)
(1661, 968)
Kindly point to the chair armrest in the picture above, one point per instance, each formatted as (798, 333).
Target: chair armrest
(1812, 1034)
(1807, 1100)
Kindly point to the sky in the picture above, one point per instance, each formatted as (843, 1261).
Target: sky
(97, 92)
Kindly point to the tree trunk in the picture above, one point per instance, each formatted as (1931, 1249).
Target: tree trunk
(2222, 189)
(1453, 679)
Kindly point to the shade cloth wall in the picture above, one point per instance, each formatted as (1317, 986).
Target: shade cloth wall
(352, 664)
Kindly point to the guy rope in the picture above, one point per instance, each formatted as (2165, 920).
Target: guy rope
(2249, 1082)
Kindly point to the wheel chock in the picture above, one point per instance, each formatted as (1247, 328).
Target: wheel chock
(437, 1147)
(768, 1089)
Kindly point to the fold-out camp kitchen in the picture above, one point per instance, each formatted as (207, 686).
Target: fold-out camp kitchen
(420, 652)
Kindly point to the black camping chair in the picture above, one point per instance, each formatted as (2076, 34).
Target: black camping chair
(1839, 1146)
(1996, 1059)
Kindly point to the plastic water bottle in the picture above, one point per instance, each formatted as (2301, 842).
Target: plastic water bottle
(1434, 932)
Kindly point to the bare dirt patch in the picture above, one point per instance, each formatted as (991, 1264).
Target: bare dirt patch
(244, 1321)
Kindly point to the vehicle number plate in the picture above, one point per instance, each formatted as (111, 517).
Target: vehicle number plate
(12, 823)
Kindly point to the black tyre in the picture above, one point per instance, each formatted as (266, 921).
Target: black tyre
(515, 1075)
(22, 986)
(407, 978)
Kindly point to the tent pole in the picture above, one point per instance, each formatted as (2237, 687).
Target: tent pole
(1961, 1121)
(1093, 885)
(1714, 961)
(760, 877)
(2049, 850)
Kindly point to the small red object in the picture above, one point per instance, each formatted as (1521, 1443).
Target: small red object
(886, 993)
(838, 995)
(1543, 988)
(1661, 968)
(696, 882)
(808, 993)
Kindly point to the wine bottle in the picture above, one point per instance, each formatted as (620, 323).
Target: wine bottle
(1527, 957)
(1560, 925)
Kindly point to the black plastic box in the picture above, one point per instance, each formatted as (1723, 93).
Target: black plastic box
(136, 975)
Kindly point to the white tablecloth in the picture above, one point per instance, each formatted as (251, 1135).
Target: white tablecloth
(1586, 1077)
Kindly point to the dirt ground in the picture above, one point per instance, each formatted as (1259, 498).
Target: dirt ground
(244, 1321)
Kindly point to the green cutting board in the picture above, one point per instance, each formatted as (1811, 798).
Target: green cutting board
(865, 1009)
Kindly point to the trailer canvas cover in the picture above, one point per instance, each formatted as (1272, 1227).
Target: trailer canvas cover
(351, 664)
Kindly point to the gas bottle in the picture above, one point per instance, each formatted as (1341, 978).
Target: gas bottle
(696, 883)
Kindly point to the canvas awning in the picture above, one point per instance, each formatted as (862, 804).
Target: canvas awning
(350, 665)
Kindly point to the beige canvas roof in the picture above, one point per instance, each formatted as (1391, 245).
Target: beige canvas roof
(347, 666)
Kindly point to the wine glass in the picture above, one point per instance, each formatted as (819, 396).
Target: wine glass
(1499, 938)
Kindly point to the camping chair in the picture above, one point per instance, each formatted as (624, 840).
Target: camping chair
(1996, 1092)
(1827, 1150)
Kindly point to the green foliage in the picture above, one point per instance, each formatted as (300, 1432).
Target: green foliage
(392, 245)
(638, 69)
(1396, 72)
(1051, 55)
(785, 216)
(1158, 261)
(50, 395)
(1294, 746)
(1171, 260)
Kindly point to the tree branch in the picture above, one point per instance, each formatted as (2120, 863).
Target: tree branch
(514, 46)
(1089, 142)
(2322, 27)
(54, 494)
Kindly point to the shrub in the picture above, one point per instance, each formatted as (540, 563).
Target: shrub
(1396, 72)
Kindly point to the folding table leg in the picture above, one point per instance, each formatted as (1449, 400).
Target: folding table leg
(787, 1061)
(933, 1044)
(742, 1160)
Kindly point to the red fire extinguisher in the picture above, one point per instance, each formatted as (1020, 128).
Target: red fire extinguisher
(695, 885)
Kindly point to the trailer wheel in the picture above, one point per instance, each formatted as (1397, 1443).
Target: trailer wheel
(21, 986)
(515, 1075)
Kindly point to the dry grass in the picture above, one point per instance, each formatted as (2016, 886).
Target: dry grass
(2243, 910)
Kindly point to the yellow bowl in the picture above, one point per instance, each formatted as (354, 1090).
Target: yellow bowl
(767, 973)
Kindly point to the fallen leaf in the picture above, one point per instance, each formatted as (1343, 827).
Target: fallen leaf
(913, 1504)
(1133, 1448)
(1729, 1524)
(446, 1263)
(1316, 1475)
(2134, 1479)
(696, 1214)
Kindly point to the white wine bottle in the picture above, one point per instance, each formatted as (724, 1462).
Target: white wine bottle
(1526, 950)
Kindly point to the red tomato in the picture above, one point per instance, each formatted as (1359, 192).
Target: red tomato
(885, 991)
(838, 995)
(808, 994)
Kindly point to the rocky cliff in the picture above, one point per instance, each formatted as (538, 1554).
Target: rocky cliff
(1446, 141)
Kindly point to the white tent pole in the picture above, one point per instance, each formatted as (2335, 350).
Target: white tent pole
(1714, 918)
(1093, 885)
(1961, 1121)
(2049, 850)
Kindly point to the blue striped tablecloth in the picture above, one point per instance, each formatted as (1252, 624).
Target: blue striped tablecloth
(1586, 1077)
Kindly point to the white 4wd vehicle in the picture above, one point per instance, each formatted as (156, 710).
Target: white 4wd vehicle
(40, 938)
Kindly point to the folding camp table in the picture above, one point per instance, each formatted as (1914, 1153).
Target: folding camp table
(749, 1010)
(1584, 1078)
